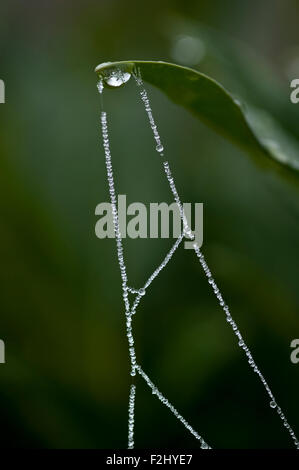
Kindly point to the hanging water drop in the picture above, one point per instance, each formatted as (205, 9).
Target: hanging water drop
(160, 148)
(273, 404)
(114, 76)
(117, 78)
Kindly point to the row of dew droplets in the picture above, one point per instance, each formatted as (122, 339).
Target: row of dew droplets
(188, 233)
(160, 149)
(132, 354)
(147, 106)
(131, 418)
(116, 77)
(242, 344)
(117, 81)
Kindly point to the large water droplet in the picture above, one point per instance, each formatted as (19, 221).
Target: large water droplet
(272, 404)
(115, 76)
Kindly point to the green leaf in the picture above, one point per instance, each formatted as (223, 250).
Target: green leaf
(253, 130)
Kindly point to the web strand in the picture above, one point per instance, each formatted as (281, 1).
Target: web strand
(242, 344)
(165, 402)
(118, 238)
(131, 420)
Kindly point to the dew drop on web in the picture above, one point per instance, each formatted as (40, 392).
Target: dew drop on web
(114, 76)
(117, 78)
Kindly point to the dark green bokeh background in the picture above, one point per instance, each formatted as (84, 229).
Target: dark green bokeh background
(65, 382)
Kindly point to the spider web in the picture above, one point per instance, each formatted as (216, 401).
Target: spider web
(130, 308)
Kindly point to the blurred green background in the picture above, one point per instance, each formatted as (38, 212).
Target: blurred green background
(66, 379)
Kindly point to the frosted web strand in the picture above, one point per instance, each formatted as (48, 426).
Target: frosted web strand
(144, 97)
(118, 238)
(165, 402)
(131, 420)
(160, 149)
(187, 231)
(242, 344)
(110, 178)
(123, 271)
(141, 292)
(164, 262)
